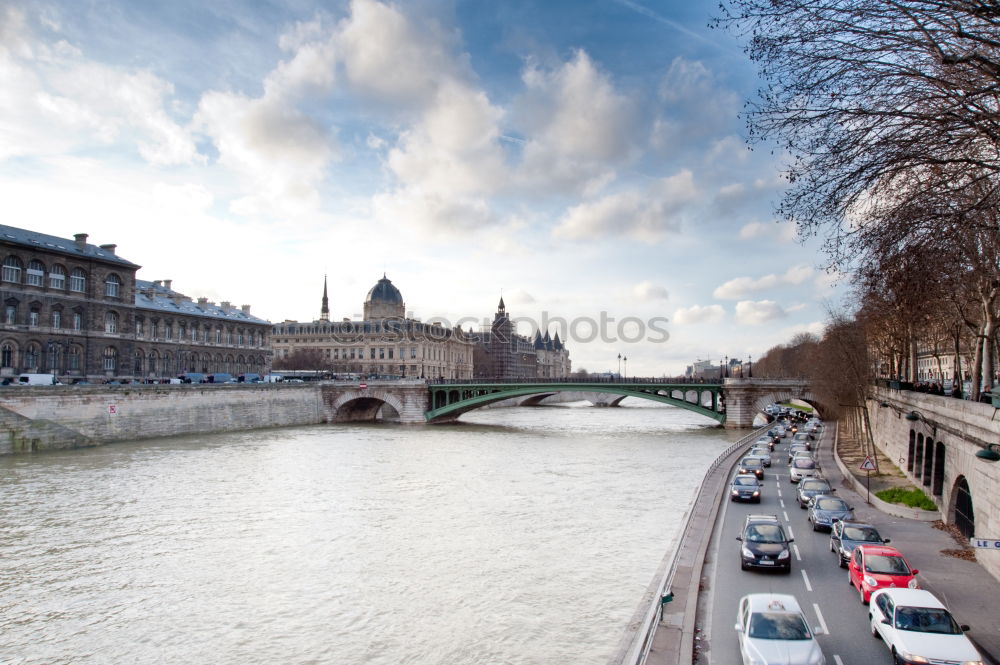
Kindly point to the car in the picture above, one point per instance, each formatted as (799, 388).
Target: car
(874, 567)
(796, 448)
(845, 536)
(766, 441)
(764, 544)
(745, 487)
(825, 509)
(803, 467)
(803, 437)
(804, 454)
(809, 488)
(752, 465)
(763, 453)
(772, 629)
(918, 628)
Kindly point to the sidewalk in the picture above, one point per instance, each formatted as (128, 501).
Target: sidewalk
(947, 565)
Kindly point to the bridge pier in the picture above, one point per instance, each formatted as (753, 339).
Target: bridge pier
(745, 398)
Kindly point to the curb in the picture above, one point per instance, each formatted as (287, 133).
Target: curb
(893, 509)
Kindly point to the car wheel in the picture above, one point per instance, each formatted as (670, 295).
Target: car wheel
(871, 623)
(849, 580)
(832, 549)
(861, 593)
(802, 505)
(895, 658)
(815, 526)
(843, 564)
(743, 565)
(788, 571)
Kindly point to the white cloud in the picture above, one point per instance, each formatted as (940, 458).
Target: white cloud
(695, 105)
(649, 291)
(754, 313)
(645, 214)
(783, 232)
(743, 286)
(815, 328)
(699, 314)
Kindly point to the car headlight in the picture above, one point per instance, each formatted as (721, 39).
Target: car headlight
(973, 662)
(913, 584)
(871, 581)
(756, 493)
(735, 492)
(783, 555)
(746, 552)
(913, 658)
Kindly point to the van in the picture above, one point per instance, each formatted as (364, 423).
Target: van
(249, 378)
(273, 378)
(192, 377)
(221, 377)
(38, 380)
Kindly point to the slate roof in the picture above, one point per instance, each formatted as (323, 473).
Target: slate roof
(384, 292)
(153, 296)
(67, 247)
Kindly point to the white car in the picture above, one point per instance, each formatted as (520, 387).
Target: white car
(772, 629)
(802, 467)
(917, 628)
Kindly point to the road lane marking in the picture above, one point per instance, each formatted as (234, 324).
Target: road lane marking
(798, 557)
(809, 587)
(837, 658)
(822, 621)
(790, 533)
(783, 512)
(782, 502)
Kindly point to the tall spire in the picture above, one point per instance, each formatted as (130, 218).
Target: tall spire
(501, 308)
(324, 312)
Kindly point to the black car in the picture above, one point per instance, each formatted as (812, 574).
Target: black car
(745, 487)
(764, 544)
(845, 536)
(752, 465)
(810, 487)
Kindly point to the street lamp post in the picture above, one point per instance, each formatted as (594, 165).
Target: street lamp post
(750, 366)
(619, 366)
(625, 358)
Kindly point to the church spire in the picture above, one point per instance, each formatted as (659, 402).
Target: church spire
(324, 312)
(501, 308)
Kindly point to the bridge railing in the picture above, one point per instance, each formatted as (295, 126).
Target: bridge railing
(635, 652)
(589, 379)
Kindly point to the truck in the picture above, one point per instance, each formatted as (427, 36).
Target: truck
(38, 380)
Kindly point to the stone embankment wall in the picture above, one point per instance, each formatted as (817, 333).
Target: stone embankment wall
(963, 428)
(61, 417)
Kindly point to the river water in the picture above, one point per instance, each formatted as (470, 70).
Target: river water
(518, 536)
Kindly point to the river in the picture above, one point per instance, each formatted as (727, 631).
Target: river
(518, 536)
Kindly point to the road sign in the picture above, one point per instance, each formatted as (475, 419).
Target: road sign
(112, 409)
(868, 464)
(363, 386)
(985, 544)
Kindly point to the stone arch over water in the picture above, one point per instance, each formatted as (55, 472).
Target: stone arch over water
(360, 406)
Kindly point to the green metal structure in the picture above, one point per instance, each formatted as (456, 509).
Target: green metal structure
(452, 399)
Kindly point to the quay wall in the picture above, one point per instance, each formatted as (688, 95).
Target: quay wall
(960, 428)
(61, 417)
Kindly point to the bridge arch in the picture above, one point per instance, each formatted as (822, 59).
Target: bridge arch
(362, 405)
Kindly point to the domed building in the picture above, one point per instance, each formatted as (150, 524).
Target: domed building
(384, 343)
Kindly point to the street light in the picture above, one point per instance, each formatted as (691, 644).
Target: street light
(750, 366)
(991, 453)
(619, 366)
(625, 358)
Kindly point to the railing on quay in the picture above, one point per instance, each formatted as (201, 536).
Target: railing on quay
(588, 379)
(643, 640)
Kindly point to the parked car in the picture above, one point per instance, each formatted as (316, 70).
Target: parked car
(918, 628)
(764, 544)
(824, 510)
(745, 487)
(809, 488)
(752, 465)
(771, 629)
(875, 567)
(803, 467)
(845, 536)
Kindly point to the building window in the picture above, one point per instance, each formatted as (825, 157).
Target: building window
(33, 318)
(218, 335)
(112, 286)
(111, 322)
(73, 359)
(57, 278)
(54, 350)
(10, 314)
(57, 319)
(372, 354)
(6, 356)
(110, 359)
(12, 269)
(31, 357)
(137, 363)
(139, 328)
(77, 321)
(168, 330)
(36, 273)
(239, 338)
(78, 280)
(152, 362)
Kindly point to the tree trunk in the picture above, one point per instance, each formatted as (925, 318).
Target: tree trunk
(977, 368)
(911, 345)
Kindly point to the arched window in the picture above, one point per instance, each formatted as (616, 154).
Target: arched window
(57, 278)
(54, 354)
(36, 273)
(110, 359)
(111, 322)
(167, 366)
(137, 363)
(12, 269)
(73, 359)
(113, 286)
(151, 362)
(6, 356)
(31, 356)
(78, 280)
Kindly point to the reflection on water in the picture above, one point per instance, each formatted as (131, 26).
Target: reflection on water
(521, 535)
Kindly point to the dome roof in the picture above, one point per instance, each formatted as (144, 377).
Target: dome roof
(384, 292)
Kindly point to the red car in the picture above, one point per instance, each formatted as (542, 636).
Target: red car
(875, 567)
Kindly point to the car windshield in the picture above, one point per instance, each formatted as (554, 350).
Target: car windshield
(864, 534)
(746, 481)
(751, 461)
(814, 485)
(926, 620)
(881, 564)
(830, 504)
(774, 626)
(765, 533)
(804, 463)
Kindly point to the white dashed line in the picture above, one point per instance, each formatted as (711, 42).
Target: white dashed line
(837, 658)
(790, 533)
(809, 587)
(822, 621)
(798, 557)
(782, 502)
(783, 512)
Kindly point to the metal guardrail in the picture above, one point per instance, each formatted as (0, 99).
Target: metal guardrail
(643, 641)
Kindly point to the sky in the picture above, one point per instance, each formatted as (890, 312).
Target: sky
(585, 159)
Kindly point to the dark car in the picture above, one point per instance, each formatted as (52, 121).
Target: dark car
(745, 487)
(752, 465)
(824, 510)
(764, 544)
(809, 488)
(845, 536)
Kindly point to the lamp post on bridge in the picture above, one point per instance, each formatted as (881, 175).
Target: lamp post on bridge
(619, 367)
(626, 367)
(750, 366)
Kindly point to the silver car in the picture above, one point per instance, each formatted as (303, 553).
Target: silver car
(771, 629)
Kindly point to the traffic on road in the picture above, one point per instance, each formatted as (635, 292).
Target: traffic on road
(796, 580)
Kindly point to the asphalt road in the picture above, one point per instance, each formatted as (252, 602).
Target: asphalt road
(816, 580)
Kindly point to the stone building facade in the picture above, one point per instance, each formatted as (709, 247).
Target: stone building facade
(76, 310)
(501, 353)
(384, 343)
